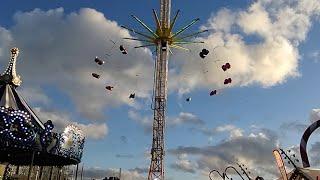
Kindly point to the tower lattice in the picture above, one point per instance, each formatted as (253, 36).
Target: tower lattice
(163, 38)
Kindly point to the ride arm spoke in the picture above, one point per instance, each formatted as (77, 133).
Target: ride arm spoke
(186, 27)
(145, 26)
(137, 32)
(174, 21)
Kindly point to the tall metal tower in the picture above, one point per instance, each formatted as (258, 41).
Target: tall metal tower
(163, 38)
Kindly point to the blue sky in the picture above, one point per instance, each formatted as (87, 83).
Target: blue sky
(272, 47)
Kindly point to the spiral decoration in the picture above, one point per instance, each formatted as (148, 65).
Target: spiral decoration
(16, 125)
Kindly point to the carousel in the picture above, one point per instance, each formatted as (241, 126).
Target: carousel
(24, 139)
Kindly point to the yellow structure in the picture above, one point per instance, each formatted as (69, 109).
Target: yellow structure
(2, 168)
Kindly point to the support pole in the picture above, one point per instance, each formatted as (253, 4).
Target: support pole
(31, 165)
(59, 173)
(40, 173)
(6, 172)
(50, 175)
(37, 174)
(82, 172)
(17, 170)
(77, 167)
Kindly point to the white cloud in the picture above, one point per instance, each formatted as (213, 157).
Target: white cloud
(314, 154)
(314, 115)
(34, 95)
(254, 150)
(255, 20)
(61, 120)
(223, 20)
(185, 165)
(234, 132)
(144, 121)
(270, 58)
(94, 130)
(293, 126)
(63, 47)
(185, 118)
(6, 38)
(140, 170)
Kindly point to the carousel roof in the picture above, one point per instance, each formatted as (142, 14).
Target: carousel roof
(22, 133)
(9, 98)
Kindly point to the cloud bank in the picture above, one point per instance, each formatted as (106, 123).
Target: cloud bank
(63, 50)
(261, 43)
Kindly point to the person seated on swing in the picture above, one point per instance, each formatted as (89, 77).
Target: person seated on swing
(98, 61)
(226, 66)
(132, 96)
(227, 81)
(214, 92)
(123, 50)
(204, 53)
(95, 75)
(109, 88)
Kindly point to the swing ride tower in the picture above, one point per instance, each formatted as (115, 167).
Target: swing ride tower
(163, 38)
(156, 170)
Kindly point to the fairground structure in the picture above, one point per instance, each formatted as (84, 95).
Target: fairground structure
(26, 143)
